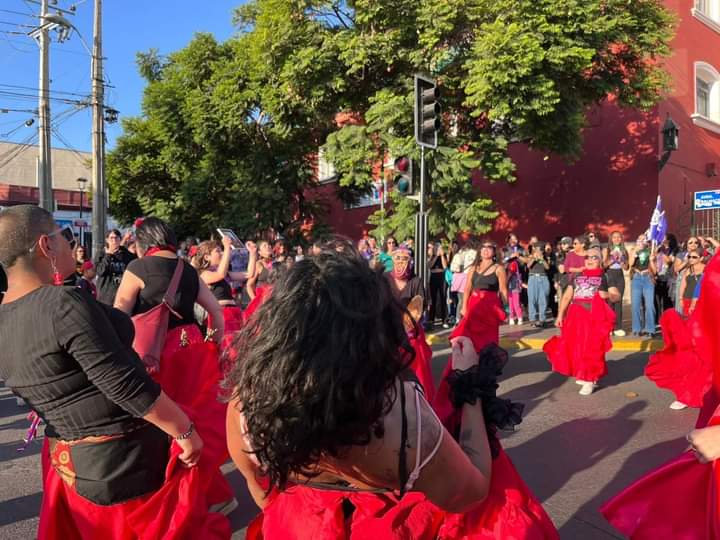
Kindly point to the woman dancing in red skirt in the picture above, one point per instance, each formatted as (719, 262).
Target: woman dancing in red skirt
(189, 368)
(120, 459)
(485, 290)
(319, 411)
(585, 321)
(212, 262)
(680, 499)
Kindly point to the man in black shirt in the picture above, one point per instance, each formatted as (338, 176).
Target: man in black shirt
(111, 267)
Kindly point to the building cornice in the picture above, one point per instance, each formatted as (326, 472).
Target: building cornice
(704, 122)
(707, 21)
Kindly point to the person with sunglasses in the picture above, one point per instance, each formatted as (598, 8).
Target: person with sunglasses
(110, 267)
(692, 275)
(486, 291)
(585, 321)
(116, 448)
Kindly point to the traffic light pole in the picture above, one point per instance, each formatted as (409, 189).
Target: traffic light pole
(421, 230)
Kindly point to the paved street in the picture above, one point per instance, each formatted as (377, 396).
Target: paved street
(573, 451)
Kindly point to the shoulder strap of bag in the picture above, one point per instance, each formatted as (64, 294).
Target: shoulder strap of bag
(174, 282)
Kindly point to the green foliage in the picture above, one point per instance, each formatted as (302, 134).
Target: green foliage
(229, 130)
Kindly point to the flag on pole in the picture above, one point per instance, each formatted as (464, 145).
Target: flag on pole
(658, 224)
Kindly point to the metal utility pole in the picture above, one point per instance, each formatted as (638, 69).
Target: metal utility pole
(44, 163)
(99, 217)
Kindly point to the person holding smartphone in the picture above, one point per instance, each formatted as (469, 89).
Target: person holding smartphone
(643, 268)
(538, 285)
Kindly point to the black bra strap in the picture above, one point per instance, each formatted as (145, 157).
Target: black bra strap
(402, 466)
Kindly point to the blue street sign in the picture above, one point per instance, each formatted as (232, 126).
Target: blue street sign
(706, 200)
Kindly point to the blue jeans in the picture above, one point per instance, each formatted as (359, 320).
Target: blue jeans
(643, 290)
(538, 291)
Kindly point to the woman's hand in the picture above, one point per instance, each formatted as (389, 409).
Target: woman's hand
(705, 443)
(463, 353)
(191, 449)
(559, 321)
(251, 246)
(227, 242)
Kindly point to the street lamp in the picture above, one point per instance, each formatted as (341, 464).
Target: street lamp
(82, 182)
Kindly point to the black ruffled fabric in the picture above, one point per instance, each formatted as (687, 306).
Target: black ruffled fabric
(480, 382)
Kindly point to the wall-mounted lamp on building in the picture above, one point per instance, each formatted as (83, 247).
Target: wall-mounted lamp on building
(671, 140)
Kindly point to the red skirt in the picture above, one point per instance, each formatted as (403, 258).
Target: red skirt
(421, 364)
(678, 367)
(482, 321)
(681, 499)
(189, 374)
(579, 351)
(261, 293)
(233, 318)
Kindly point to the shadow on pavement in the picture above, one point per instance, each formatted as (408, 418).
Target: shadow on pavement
(633, 368)
(20, 509)
(575, 446)
(8, 450)
(634, 467)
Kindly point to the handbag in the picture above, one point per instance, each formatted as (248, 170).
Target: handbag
(151, 327)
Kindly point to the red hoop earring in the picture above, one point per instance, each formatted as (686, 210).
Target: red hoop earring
(57, 276)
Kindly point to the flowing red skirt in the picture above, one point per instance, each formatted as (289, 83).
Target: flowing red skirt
(678, 367)
(681, 499)
(261, 293)
(179, 509)
(421, 364)
(579, 351)
(233, 318)
(482, 321)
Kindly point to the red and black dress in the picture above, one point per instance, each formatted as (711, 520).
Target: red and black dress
(681, 499)
(579, 351)
(484, 313)
(189, 366)
(107, 473)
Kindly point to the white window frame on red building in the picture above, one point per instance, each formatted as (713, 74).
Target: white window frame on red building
(710, 117)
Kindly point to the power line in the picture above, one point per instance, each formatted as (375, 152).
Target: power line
(11, 12)
(19, 87)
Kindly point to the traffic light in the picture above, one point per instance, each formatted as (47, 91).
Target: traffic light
(403, 175)
(427, 111)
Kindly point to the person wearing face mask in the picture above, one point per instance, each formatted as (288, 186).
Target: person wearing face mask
(642, 266)
(118, 451)
(585, 321)
(110, 267)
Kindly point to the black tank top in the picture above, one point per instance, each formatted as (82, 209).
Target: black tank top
(486, 282)
(263, 276)
(221, 290)
(690, 284)
(156, 272)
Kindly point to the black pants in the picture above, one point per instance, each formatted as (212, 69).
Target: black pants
(663, 299)
(616, 278)
(438, 303)
(453, 307)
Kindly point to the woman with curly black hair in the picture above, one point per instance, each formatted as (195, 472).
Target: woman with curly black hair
(325, 431)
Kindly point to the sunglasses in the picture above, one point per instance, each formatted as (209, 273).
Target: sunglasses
(401, 259)
(65, 232)
(593, 257)
(693, 257)
(490, 246)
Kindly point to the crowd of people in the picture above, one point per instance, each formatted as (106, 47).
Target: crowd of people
(310, 369)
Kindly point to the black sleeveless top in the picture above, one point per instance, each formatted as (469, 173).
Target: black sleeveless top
(221, 290)
(264, 276)
(486, 282)
(690, 284)
(156, 273)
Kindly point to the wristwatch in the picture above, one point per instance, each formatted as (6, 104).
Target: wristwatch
(187, 434)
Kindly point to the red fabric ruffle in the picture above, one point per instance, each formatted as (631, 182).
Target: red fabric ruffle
(261, 293)
(579, 351)
(678, 367)
(421, 364)
(681, 499)
(482, 321)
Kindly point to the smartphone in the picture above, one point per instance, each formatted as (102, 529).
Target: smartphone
(229, 233)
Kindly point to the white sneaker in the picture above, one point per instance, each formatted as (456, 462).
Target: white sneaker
(678, 406)
(520, 320)
(587, 388)
(619, 333)
(511, 322)
(579, 381)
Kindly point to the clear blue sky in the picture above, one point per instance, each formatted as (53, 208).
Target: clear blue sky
(129, 26)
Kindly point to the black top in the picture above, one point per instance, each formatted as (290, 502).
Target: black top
(413, 288)
(221, 290)
(437, 264)
(3, 282)
(71, 359)
(537, 267)
(486, 282)
(642, 260)
(691, 281)
(264, 276)
(585, 287)
(110, 268)
(156, 273)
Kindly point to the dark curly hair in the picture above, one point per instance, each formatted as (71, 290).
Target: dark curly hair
(317, 363)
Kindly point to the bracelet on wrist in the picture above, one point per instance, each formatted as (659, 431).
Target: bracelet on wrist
(187, 434)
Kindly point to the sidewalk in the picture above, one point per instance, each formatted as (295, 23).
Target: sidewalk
(526, 336)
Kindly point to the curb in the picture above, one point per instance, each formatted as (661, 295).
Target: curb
(536, 344)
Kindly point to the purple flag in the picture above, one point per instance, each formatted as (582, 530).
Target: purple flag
(658, 224)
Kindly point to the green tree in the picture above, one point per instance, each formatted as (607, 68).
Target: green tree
(229, 131)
